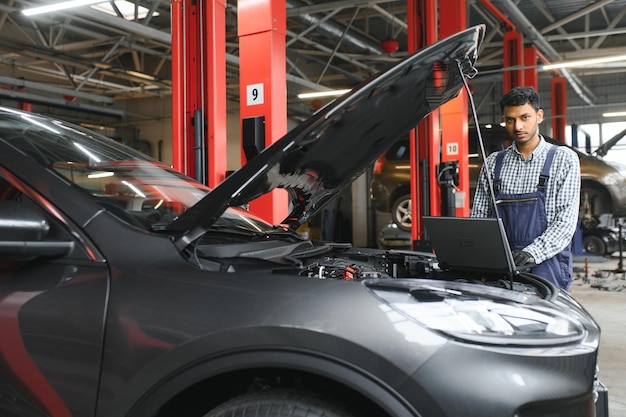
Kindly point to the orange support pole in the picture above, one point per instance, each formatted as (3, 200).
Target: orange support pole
(262, 32)
(199, 89)
(559, 108)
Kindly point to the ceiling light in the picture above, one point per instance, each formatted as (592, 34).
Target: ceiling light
(614, 114)
(126, 8)
(58, 6)
(140, 75)
(323, 94)
(585, 62)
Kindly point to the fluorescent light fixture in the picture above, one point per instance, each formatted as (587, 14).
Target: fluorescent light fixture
(58, 6)
(585, 62)
(126, 8)
(140, 75)
(323, 94)
(614, 114)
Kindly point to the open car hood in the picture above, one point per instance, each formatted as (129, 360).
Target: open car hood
(603, 149)
(327, 152)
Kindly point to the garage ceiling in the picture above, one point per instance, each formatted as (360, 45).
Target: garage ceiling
(94, 62)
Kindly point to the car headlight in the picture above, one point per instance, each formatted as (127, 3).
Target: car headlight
(491, 316)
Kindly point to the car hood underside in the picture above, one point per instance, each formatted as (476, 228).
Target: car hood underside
(326, 153)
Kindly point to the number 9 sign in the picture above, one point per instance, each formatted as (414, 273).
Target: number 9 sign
(254, 94)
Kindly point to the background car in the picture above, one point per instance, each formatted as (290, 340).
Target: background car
(603, 185)
(605, 237)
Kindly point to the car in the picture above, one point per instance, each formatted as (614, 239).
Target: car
(128, 289)
(603, 184)
(604, 238)
(603, 241)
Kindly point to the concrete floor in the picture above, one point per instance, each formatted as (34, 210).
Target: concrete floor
(602, 291)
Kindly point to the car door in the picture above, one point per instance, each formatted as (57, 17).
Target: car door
(53, 289)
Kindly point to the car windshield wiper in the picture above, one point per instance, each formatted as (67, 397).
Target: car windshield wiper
(280, 231)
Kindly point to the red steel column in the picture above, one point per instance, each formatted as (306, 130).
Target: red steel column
(454, 114)
(199, 86)
(263, 91)
(513, 56)
(214, 35)
(422, 30)
(179, 126)
(559, 108)
(530, 67)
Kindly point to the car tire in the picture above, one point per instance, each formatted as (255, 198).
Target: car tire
(279, 403)
(594, 245)
(401, 212)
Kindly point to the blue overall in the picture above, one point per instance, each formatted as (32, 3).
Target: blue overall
(524, 218)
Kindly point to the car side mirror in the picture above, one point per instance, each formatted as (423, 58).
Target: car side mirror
(24, 232)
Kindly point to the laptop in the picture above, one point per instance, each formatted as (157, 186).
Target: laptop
(471, 244)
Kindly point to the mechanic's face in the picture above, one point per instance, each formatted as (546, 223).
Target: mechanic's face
(522, 123)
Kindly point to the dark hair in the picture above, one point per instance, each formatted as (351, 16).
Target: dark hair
(518, 96)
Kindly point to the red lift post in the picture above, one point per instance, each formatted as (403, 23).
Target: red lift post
(513, 57)
(199, 89)
(454, 117)
(530, 67)
(424, 140)
(263, 91)
(559, 108)
(442, 136)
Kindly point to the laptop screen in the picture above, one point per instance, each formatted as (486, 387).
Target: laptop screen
(470, 244)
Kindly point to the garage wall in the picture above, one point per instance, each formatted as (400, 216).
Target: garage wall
(158, 132)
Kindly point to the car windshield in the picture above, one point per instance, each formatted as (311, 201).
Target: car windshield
(130, 184)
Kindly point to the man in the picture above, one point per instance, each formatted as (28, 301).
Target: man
(537, 191)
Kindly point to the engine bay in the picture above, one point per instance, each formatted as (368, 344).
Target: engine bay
(341, 261)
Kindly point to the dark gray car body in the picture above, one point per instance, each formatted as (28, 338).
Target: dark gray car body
(124, 312)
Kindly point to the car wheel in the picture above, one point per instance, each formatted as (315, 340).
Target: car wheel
(401, 212)
(594, 245)
(283, 403)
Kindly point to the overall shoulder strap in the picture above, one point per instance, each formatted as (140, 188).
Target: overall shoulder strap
(545, 171)
(497, 181)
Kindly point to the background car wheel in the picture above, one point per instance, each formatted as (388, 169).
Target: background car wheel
(278, 404)
(401, 212)
(594, 245)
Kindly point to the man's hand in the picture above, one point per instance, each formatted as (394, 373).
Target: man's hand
(522, 258)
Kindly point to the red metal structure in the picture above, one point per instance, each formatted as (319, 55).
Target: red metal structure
(530, 66)
(454, 115)
(199, 89)
(520, 63)
(443, 134)
(422, 30)
(513, 56)
(263, 90)
(559, 108)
